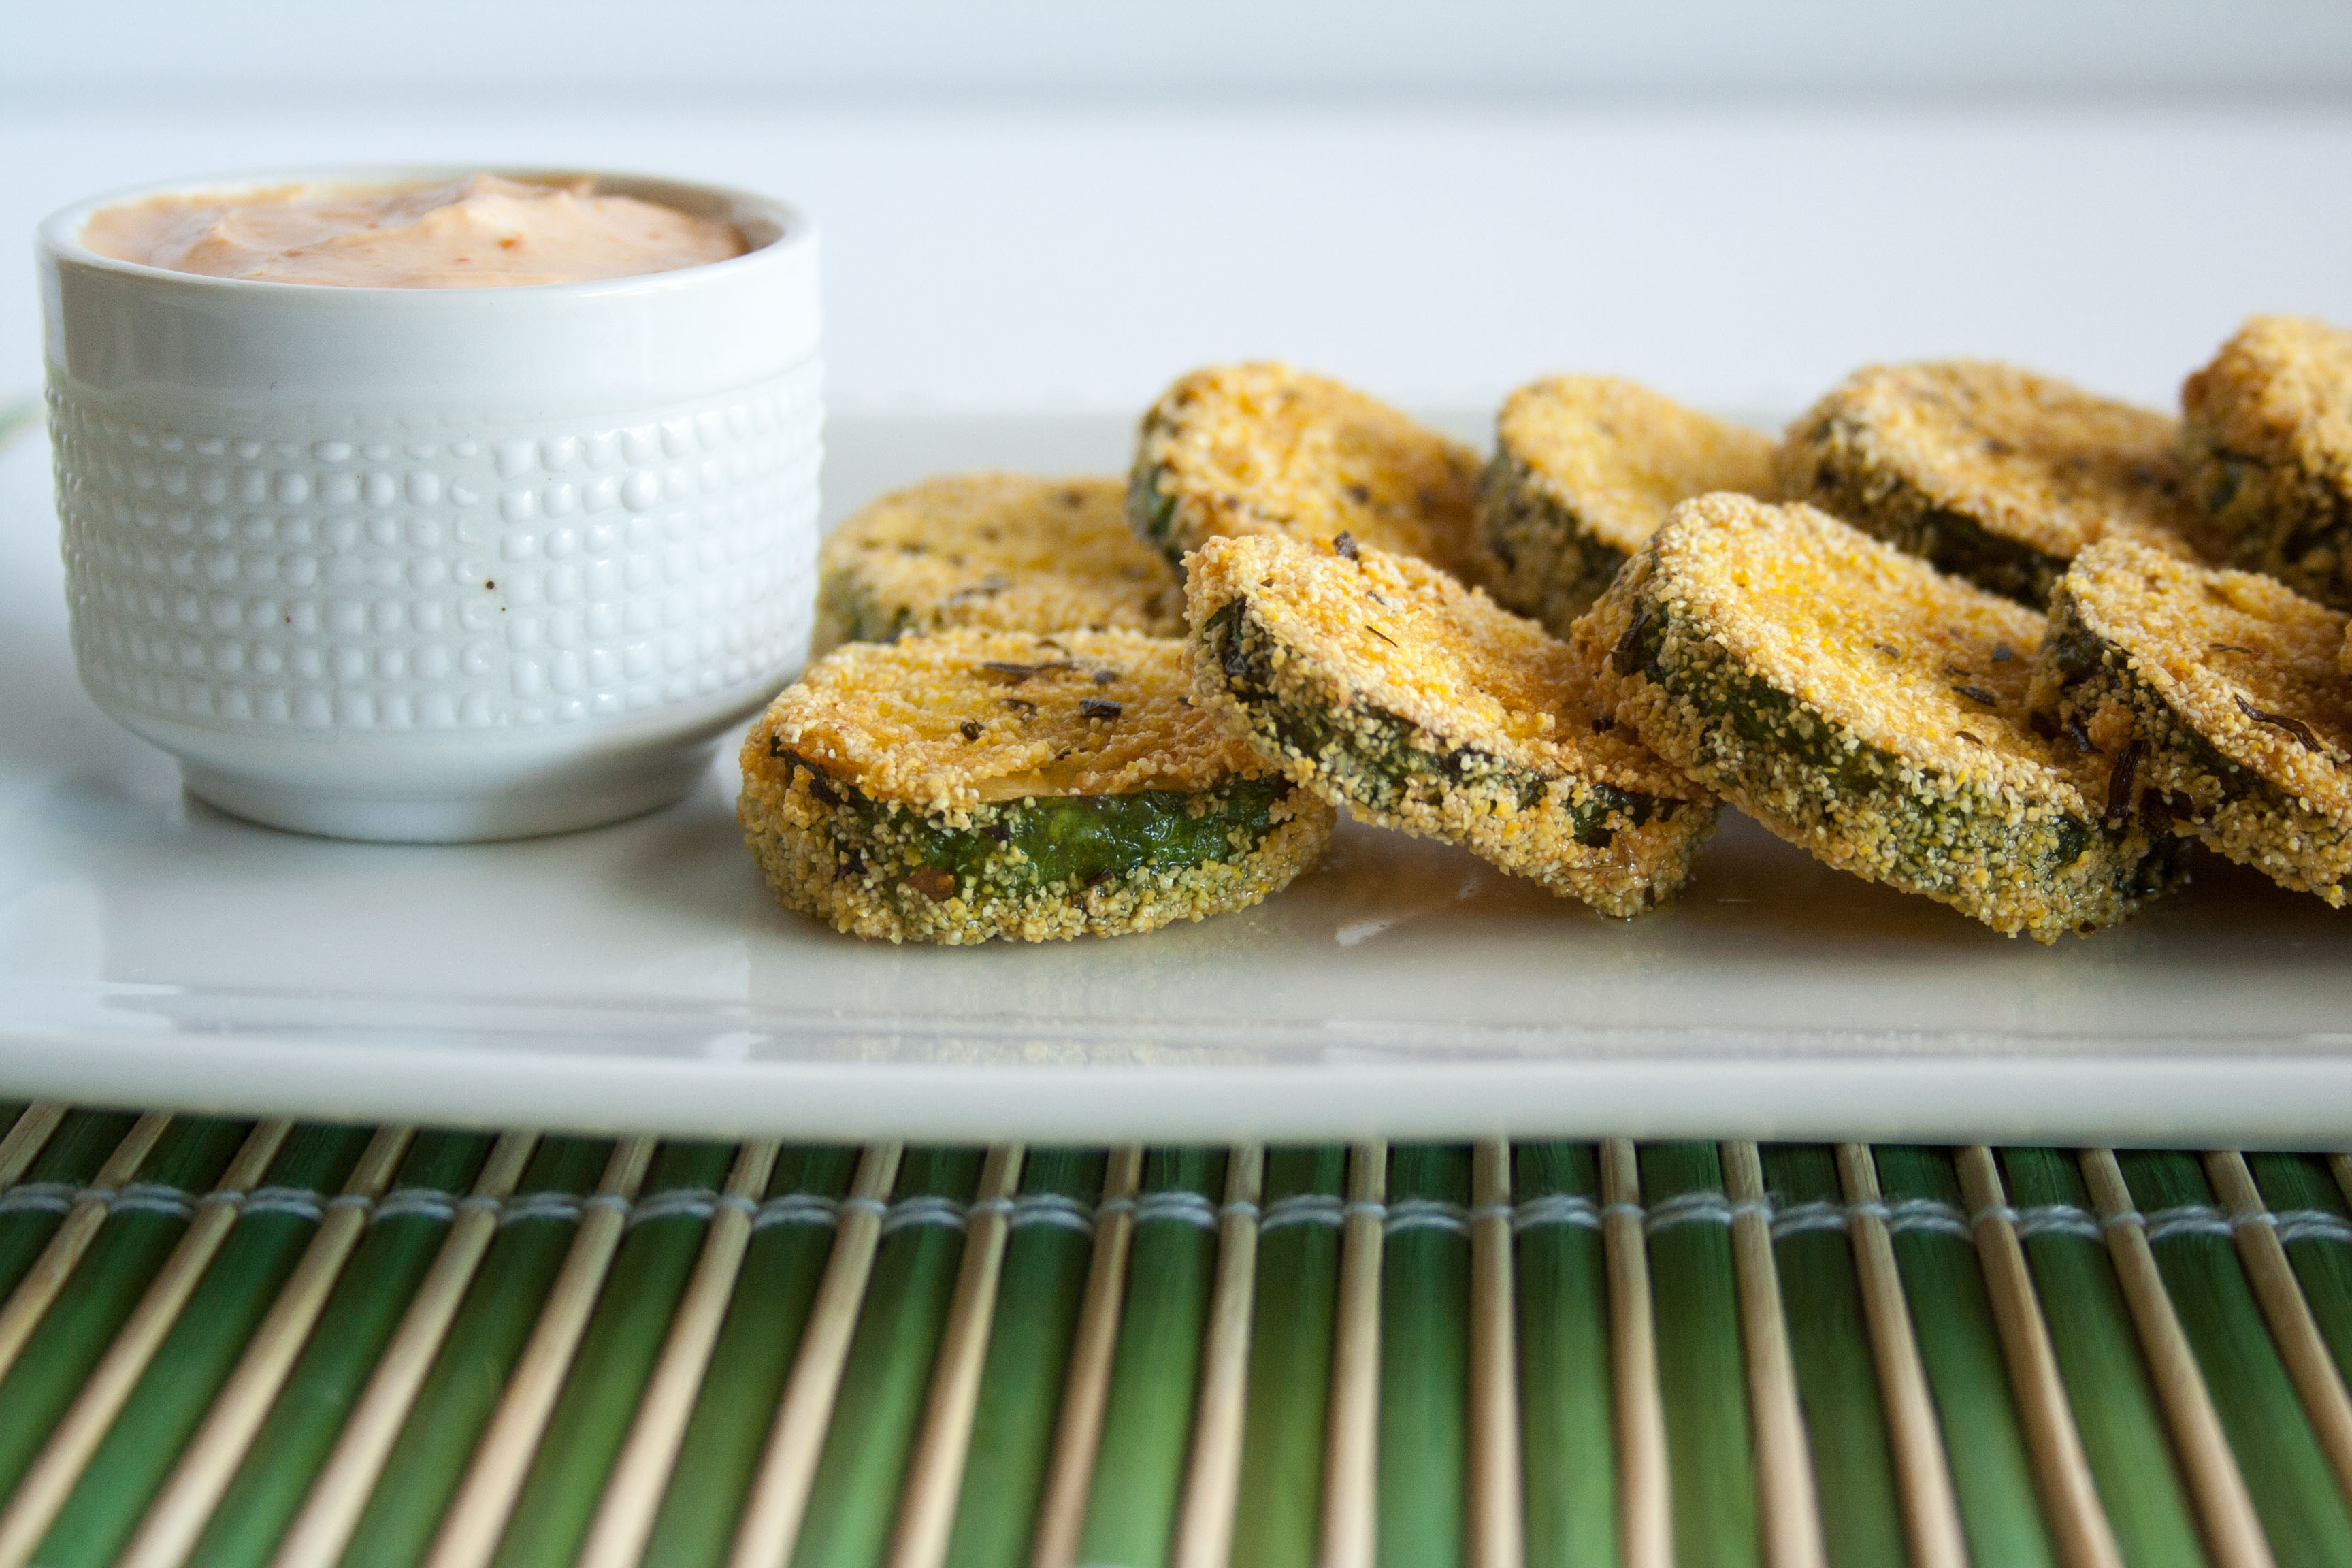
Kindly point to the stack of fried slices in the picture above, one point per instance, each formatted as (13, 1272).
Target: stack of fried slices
(1965, 630)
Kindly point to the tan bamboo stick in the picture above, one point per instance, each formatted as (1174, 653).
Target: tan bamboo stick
(26, 1136)
(926, 1499)
(478, 1516)
(22, 1312)
(1086, 1389)
(194, 1488)
(2232, 1531)
(2296, 1333)
(2062, 1472)
(1205, 1518)
(79, 1432)
(772, 1514)
(633, 1495)
(1792, 1519)
(1496, 1525)
(2340, 1166)
(1931, 1513)
(1644, 1504)
(1351, 1452)
(339, 1494)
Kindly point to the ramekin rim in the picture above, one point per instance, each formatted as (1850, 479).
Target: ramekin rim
(57, 236)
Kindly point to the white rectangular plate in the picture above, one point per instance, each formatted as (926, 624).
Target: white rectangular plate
(154, 952)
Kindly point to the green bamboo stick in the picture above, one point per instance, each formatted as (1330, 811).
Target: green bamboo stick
(325, 1381)
(122, 1260)
(853, 1497)
(196, 1357)
(1148, 1421)
(1568, 1433)
(616, 1354)
(1829, 1342)
(2295, 1185)
(1042, 1286)
(2303, 1511)
(2091, 1332)
(1702, 1369)
(461, 1391)
(1960, 1347)
(1291, 1324)
(753, 1356)
(1424, 1356)
(69, 1159)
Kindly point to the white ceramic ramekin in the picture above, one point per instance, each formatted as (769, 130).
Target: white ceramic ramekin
(438, 564)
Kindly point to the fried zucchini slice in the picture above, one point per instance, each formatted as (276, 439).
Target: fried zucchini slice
(1994, 474)
(2216, 702)
(1001, 551)
(958, 785)
(1585, 468)
(1263, 448)
(2266, 434)
(1382, 684)
(1869, 709)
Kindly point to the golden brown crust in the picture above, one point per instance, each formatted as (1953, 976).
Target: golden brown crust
(964, 786)
(2267, 438)
(1994, 473)
(1867, 708)
(1585, 469)
(960, 718)
(1004, 551)
(2225, 687)
(1382, 683)
(1263, 448)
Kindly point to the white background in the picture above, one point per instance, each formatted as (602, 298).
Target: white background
(1060, 206)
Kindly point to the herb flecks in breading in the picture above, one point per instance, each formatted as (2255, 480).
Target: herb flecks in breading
(1002, 551)
(1994, 474)
(895, 792)
(2227, 685)
(1798, 666)
(1245, 449)
(1449, 717)
(1585, 469)
(2267, 438)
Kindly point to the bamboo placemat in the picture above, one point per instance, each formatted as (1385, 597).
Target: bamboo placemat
(308, 1346)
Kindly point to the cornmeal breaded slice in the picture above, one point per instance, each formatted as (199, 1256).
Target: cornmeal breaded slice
(1002, 551)
(1995, 474)
(2267, 438)
(2216, 701)
(1382, 683)
(1865, 706)
(1263, 448)
(954, 787)
(1585, 469)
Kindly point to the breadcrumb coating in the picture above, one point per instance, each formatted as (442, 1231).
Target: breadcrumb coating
(964, 786)
(1585, 469)
(1992, 473)
(2267, 439)
(2216, 699)
(866, 874)
(1006, 552)
(1263, 448)
(959, 718)
(1382, 683)
(1867, 708)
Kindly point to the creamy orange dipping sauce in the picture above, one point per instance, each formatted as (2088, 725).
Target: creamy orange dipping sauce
(473, 233)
